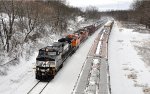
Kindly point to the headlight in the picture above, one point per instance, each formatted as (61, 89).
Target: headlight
(42, 70)
(52, 64)
(45, 63)
(39, 63)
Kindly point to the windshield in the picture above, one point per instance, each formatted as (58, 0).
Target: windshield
(42, 52)
(51, 53)
(46, 56)
(45, 59)
(47, 53)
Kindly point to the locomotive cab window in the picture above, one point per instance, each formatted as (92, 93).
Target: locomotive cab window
(52, 53)
(41, 52)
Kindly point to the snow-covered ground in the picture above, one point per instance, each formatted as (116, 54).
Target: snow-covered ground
(128, 58)
(64, 81)
(129, 71)
(21, 78)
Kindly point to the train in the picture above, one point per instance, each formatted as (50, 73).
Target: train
(109, 25)
(50, 59)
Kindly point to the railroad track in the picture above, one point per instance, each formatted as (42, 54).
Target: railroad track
(38, 87)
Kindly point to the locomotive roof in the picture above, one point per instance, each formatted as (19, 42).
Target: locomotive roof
(43, 57)
(55, 46)
(66, 39)
(108, 24)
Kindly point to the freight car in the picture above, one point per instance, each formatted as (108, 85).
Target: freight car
(90, 29)
(99, 24)
(83, 35)
(108, 25)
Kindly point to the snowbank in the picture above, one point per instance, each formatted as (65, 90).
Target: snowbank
(129, 74)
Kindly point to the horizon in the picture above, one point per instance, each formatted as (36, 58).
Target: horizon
(102, 5)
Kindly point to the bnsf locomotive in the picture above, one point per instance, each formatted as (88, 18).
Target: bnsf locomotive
(50, 59)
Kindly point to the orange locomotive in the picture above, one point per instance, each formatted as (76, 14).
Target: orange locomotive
(75, 40)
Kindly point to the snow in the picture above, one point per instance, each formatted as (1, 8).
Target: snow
(64, 81)
(18, 76)
(4, 16)
(77, 23)
(80, 19)
(99, 44)
(128, 71)
(21, 78)
(38, 88)
(129, 74)
(98, 48)
(93, 84)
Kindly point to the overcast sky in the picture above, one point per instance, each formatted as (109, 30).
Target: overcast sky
(102, 4)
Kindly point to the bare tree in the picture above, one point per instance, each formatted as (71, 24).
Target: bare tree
(92, 12)
(9, 8)
(29, 17)
(142, 9)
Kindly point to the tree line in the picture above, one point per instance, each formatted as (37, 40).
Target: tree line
(139, 13)
(142, 12)
(26, 17)
(22, 22)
